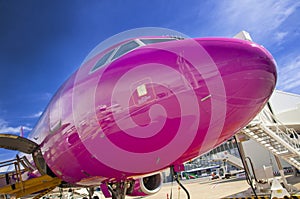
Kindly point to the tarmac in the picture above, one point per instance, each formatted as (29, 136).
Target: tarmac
(204, 188)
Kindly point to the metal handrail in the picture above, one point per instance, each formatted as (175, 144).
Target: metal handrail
(22, 162)
(252, 168)
(287, 138)
(283, 134)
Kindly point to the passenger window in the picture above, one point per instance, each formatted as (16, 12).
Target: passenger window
(125, 48)
(103, 60)
(152, 41)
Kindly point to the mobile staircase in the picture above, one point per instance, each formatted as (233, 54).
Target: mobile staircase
(17, 182)
(18, 177)
(276, 137)
(225, 156)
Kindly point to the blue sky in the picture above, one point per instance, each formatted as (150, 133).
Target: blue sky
(43, 42)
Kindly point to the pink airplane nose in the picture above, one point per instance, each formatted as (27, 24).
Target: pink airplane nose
(248, 70)
(165, 103)
(249, 76)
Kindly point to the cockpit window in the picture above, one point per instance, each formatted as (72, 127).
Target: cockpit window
(152, 41)
(125, 48)
(103, 60)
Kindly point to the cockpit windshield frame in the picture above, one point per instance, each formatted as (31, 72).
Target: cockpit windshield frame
(125, 48)
(103, 60)
(148, 41)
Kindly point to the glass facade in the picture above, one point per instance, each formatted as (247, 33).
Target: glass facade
(207, 159)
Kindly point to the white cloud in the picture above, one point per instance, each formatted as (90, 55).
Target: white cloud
(263, 19)
(5, 155)
(274, 24)
(5, 128)
(289, 74)
(3, 169)
(36, 115)
(279, 36)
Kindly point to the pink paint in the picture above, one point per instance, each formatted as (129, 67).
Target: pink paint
(156, 106)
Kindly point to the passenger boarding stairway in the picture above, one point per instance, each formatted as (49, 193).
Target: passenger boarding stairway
(16, 183)
(282, 141)
(227, 157)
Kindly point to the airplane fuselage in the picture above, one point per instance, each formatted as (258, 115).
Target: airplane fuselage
(157, 105)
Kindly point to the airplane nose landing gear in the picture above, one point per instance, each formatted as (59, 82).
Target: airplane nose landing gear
(120, 189)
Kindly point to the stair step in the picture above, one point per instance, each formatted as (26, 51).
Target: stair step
(275, 140)
(291, 155)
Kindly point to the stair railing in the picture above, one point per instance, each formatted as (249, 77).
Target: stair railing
(289, 135)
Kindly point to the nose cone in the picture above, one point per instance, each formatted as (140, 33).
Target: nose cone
(248, 69)
(164, 103)
(248, 72)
